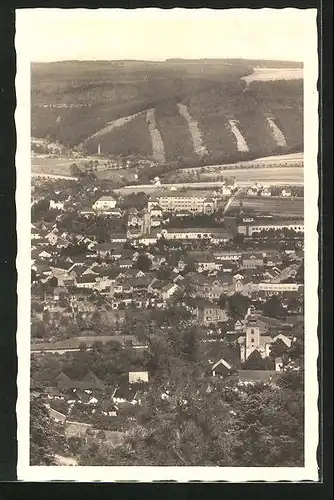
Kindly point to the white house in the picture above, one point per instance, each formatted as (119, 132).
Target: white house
(104, 203)
(266, 192)
(286, 192)
(138, 377)
(169, 290)
(56, 205)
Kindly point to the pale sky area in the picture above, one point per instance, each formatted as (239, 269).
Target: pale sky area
(156, 34)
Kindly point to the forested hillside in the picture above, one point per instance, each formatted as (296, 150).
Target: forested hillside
(203, 110)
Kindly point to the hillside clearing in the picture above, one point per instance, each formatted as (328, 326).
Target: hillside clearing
(241, 141)
(157, 144)
(277, 133)
(195, 133)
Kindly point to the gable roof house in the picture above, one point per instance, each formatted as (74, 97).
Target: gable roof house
(89, 382)
(221, 368)
(168, 290)
(207, 312)
(251, 260)
(104, 203)
(103, 249)
(86, 281)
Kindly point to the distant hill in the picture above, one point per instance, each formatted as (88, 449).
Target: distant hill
(188, 111)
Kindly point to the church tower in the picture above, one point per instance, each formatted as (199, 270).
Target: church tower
(252, 340)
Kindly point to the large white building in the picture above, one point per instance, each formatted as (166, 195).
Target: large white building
(212, 234)
(257, 226)
(191, 201)
(276, 288)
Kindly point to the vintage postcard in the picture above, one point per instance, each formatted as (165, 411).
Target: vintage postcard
(167, 200)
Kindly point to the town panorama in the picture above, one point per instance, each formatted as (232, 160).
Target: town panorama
(167, 263)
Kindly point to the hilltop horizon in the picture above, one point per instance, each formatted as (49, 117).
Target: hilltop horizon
(174, 60)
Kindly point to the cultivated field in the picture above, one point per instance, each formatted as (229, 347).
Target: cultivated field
(52, 166)
(244, 177)
(268, 74)
(275, 205)
(273, 176)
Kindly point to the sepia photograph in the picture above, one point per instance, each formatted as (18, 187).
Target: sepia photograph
(167, 192)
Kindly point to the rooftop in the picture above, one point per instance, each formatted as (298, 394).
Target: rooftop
(106, 198)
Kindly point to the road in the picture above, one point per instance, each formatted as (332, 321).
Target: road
(231, 200)
(288, 176)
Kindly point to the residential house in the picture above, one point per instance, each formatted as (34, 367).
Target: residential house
(51, 237)
(155, 211)
(56, 205)
(119, 237)
(207, 312)
(61, 243)
(89, 382)
(104, 203)
(253, 191)
(138, 377)
(221, 368)
(104, 249)
(251, 261)
(209, 287)
(266, 191)
(286, 192)
(227, 255)
(169, 290)
(125, 263)
(88, 282)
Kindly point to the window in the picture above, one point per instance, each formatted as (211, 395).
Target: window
(252, 340)
(252, 330)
